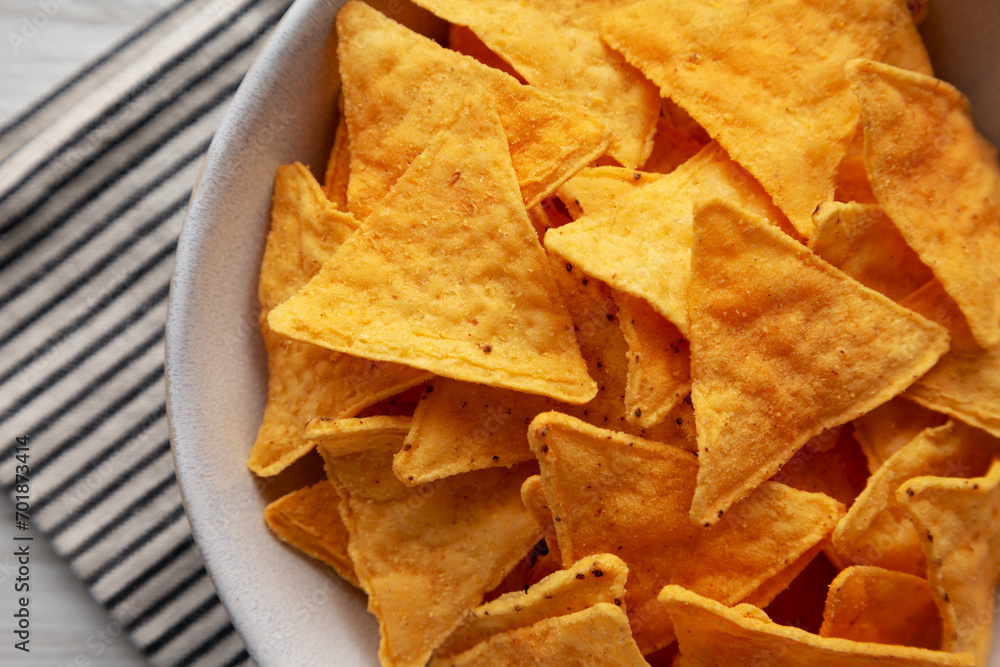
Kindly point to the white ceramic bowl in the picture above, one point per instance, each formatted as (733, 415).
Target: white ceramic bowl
(289, 610)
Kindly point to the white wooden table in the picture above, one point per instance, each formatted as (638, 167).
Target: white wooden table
(68, 627)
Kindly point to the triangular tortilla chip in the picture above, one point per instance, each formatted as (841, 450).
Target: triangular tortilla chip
(597, 188)
(938, 181)
(659, 362)
(401, 88)
(713, 634)
(774, 92)
(966, 382)
(308, 519)
(861, 241)
(672, 147)
(886, 429)
(592, 580)
(642, 246)
(958, 520)
(460, 426)
(564, 56)
(614, 493)
(783, 347)
(424, 556)
(831, 463)
(875, 530)
(448, 275)
(598, 635)
(872, 604)
(304, 380)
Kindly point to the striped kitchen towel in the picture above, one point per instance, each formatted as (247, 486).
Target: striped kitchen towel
(94, 180)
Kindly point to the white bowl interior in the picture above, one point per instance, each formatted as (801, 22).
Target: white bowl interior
(289, 609)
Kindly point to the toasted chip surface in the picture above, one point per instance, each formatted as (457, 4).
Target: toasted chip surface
(938, 181)
(779, 355)
(614, 493)
(890, 426)
(401, 88)
(959, 522)
(712, 634)
(773, 93)
(596, 188)
(448, 275)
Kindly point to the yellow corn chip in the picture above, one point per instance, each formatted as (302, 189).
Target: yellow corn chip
(831, 463)
(425, 556)
(773, 93)
(593, 580)
(783, 347)
(448, 275)
(614, 493)
(305, 380)
(712, 634)
(871, 604)
(400, 89)
(659, 362)
(958, 521)
(597, 188)
(861, 241)
(875, 530)
(308, 519)
(938, 181)
(642, 246)
(672, 147)
(566, 59)
(533, 497)
(464, 41)
(598, 635)
(338, 169)
(966, 382)
(884, 430)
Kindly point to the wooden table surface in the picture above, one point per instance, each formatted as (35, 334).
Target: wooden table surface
(68, 627)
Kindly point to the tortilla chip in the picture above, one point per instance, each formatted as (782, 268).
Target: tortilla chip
(642, 246)
(338, 169)
(400, 89)
(793, 136)
(672, 147)
(565, 57)
(938, 181)
(659, 362)
(304, 380)
(464, 41)
(871, 604)
(831, 463)
(533, 497)
(598, 635)
(614, 493)
(425, 556)
(884, 430)
(598, 188)
(861, 241)
(713, 634)
(966, 382)
(460, 426)
(783, 347)
(534, 567)
(958, 521)
(448, 275)
(308, 519)
(593, 580)
(875, 530)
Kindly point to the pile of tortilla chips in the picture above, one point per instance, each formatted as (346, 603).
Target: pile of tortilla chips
(643, 332)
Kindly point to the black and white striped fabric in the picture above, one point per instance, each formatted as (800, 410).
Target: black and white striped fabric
(93, 185)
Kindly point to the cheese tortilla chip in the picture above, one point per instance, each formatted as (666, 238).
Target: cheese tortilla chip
(614, 493)
(566, 59)
(886, 429)
(308, 519)
(401, 88)
(958, 520)
(448, 275)
(794, 134)
(875, 530)
(710, 633)
(938, 181)
(643, 245)
(783, 347)
(861, 241)
(304, 380)
(871, 604)
(659, 362)
(425, 556)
